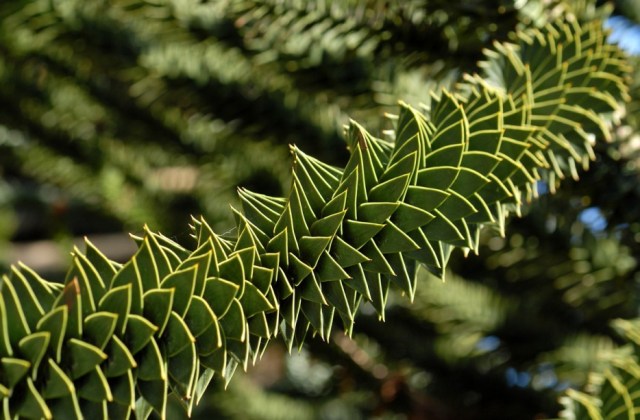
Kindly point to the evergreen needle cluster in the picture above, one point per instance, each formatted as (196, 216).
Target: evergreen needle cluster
(116, 339)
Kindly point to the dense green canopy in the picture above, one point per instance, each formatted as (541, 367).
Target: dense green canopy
(118, 115)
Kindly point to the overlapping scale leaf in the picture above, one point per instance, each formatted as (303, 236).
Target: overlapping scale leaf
(562, 77)
(614, 393)
(115, 339)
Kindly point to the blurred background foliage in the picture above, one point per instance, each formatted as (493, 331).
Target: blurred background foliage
(120, 113)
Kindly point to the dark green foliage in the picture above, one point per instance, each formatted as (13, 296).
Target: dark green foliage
(229, 296)
(98, 95)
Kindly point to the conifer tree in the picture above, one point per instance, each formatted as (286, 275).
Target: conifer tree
(118, 115)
